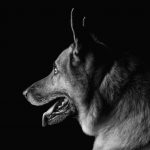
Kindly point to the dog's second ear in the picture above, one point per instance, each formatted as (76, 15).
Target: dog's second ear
(77, 25)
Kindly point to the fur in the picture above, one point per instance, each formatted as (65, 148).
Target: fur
(111, 96)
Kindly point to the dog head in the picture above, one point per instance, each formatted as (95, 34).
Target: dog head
(75, 78)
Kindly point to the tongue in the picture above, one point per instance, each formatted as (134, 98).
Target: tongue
(47, 113)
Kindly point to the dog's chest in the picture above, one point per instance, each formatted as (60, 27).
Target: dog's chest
(112, 142)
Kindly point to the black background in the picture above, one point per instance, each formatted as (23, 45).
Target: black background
(30, 40)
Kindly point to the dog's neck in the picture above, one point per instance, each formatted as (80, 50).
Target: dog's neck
(128, 122)
(113, 132)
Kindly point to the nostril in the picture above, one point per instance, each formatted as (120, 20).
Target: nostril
(25, 93)
(28, 90)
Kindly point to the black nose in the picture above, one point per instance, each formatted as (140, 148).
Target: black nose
(28, 90)
(25, 93)
(35, 94)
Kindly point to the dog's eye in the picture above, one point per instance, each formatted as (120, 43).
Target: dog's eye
(55, 69)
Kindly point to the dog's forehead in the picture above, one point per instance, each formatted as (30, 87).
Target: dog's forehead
(64, 56)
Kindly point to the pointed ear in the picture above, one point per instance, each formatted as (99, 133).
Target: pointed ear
(77, 25)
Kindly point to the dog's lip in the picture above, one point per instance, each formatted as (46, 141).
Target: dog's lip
(46, 99)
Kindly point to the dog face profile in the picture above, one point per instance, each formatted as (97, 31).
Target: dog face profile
(109, 96)
(68, 84)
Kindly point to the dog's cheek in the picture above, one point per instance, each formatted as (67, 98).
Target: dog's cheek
(62, 84)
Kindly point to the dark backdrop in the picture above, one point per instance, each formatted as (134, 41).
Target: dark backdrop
(30, 40)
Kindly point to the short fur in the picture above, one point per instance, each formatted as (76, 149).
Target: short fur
(111, 96)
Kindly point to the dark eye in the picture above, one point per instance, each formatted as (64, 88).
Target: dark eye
(55, 69)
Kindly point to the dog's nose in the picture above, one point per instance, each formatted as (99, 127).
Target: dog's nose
(25, 93)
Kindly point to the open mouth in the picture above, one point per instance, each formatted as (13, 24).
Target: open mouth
(57, 112)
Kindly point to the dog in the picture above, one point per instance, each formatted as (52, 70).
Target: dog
(110, 97)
